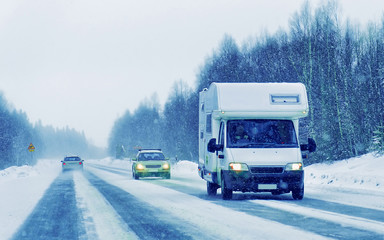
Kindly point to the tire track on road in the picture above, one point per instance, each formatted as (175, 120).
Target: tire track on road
(143, 219)
(56, 215)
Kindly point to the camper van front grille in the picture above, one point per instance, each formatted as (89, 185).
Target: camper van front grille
(267, 169)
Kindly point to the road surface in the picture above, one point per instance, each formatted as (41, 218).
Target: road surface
(104, 202)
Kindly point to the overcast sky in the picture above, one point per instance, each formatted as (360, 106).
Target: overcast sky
(83, 63)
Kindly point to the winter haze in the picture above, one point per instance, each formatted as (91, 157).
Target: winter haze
(82, 64)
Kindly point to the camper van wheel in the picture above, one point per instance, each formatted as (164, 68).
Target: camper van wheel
(212, 189)
(298, 194)
(226, 193)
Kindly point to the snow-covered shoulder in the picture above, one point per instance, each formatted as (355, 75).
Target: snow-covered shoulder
(21, 188)
(362, 173)
(357, 181)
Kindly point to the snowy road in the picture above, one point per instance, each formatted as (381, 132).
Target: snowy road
(56, 215)
(104, 202)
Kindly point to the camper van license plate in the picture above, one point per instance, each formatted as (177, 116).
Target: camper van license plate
(267, 186)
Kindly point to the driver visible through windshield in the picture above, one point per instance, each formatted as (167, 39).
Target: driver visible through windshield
(261, 133)
(151, 156)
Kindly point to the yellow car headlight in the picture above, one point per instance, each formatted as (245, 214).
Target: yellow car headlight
(238, 167)
(294, 166)
(140, 166)
(165, 166)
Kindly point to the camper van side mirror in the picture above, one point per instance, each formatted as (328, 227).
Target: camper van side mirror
(311, 146)
(213, 147)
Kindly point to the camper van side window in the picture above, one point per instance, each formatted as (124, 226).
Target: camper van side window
(208, 124)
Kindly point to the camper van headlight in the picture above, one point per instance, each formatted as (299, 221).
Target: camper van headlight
(298, 166)
(238, 167)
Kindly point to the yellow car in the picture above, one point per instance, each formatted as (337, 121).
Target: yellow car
(151, 163)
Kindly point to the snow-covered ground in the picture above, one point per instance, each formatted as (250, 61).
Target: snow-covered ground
(357, 181)
(21, 188)
(362, 177)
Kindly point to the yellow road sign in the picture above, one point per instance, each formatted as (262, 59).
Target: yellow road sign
(31, 148)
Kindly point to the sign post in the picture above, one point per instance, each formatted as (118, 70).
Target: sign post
(31, 149)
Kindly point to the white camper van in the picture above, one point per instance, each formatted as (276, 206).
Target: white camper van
(248, 138)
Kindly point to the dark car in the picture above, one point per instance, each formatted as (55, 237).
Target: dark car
(72, 163)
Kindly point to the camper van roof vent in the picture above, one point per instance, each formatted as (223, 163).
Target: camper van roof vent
(285, 99)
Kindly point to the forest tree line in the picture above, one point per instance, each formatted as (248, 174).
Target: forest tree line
(17, 133)
(341, 64)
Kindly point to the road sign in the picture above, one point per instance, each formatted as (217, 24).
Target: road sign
(31, 148)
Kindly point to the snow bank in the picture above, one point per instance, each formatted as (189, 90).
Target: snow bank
(364, 172)
(14, 172)
(21, 188)
(185, 168)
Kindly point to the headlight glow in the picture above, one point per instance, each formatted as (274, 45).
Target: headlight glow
(238, 167)
(294, 166)
(165, 166)
(140, 166)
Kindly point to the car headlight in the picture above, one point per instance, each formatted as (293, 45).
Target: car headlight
(140, 166)
(238, 167)
(165, 166)
(298, 166)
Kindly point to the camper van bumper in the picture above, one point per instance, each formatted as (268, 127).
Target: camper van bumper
(246, 181)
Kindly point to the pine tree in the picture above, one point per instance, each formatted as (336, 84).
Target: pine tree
(378, 141)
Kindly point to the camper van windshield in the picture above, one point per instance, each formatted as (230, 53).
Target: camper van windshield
(261, 133)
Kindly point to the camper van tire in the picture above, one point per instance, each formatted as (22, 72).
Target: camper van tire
(226, 193)
(212, 188)
(298, 194)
